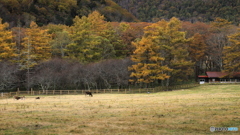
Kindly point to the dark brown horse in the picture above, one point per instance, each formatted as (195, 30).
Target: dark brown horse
(88, 93)
(17, 97)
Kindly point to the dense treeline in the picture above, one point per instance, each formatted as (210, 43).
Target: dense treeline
(22, 12)
(65, 74)
(94, 53)
(187, 10)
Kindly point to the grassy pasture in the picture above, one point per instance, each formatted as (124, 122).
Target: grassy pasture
(190, 111)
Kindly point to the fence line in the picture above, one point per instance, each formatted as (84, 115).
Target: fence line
(96, 91)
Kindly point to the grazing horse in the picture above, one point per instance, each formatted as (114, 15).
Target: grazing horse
(37, 97)
(88, 93)
(17, 97)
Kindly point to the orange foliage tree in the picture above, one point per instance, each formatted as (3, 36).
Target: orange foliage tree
(7, 46)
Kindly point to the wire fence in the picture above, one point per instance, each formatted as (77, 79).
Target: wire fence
(96, 91)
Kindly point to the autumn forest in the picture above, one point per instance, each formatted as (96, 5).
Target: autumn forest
(93, 45)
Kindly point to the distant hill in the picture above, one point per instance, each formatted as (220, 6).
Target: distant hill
(188, 10)
(22, 12)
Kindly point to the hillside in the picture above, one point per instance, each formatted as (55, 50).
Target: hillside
(22, 12)
(59, 12)
(187, 10)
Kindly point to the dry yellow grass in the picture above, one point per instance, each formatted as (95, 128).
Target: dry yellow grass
(191, 111)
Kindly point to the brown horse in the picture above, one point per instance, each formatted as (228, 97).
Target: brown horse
(17, 97)
(88, 93)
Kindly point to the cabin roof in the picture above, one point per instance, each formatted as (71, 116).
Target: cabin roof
(216, 74)
(219, 75)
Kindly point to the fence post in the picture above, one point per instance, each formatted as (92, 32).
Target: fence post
(31, 91)
(18, 92)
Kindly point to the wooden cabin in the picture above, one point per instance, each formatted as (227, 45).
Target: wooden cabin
(219, 77)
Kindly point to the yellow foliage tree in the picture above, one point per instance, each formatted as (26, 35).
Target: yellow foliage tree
(220, 23)
(148, 67)
(170, 51)
(36, 46)
(197, 49)
(7, 46)
(91, 39)
(232, 54)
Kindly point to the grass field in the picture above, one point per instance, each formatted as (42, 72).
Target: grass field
(190, 111)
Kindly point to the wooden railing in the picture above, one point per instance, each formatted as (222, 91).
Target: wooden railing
(96, 91)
